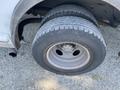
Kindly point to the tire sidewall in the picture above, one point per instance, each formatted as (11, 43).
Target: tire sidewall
(92, 43)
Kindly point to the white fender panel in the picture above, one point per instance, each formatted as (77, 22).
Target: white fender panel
(6, 10)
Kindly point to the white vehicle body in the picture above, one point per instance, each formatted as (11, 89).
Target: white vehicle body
(7, 10)
(7, 7)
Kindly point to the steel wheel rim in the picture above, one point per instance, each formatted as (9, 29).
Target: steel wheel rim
(70, 56)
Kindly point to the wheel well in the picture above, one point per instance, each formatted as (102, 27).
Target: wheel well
(100, 9)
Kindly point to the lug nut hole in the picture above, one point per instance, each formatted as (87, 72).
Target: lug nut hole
(59, 52)
(77, 52)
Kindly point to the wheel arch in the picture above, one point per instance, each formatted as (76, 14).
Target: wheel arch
(24, 5)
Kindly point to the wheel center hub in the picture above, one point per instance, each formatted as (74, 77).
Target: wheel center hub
(67, 48)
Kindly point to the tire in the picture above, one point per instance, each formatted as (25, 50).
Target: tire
(73, 30)
(69, 10)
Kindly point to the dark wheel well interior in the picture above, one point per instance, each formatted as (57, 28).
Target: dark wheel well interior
(101, 10)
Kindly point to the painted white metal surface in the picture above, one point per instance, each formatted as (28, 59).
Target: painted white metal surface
(6, 10)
